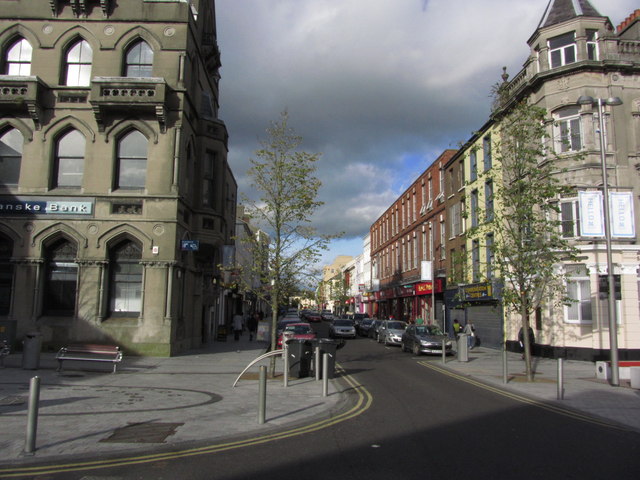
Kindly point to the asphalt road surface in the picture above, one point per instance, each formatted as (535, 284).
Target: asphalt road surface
(421, 424)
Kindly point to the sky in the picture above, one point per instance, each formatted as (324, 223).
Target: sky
(379, 88)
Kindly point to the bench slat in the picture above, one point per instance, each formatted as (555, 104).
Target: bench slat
(90, 353)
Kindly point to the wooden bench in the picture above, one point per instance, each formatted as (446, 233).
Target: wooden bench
(90, 353)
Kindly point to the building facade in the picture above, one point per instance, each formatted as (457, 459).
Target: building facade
(472, 292)
(117, 202)
(332, 285)
(577, 54)
(411, 233)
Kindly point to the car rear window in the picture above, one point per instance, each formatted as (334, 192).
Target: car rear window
(396, 325)
(343, 323)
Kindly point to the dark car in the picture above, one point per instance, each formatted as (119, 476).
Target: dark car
(363, 327)
(373, 329)
(425, 339)
(313, 316)
(358, 317)
(327, 315)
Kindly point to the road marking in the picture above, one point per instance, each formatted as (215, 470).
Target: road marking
(520, 398)
(362, 404)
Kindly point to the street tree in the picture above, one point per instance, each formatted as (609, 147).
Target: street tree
(339, 292)
(284, 199)
(527, 242)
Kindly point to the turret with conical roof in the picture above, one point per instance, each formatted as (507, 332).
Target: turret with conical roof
(559, 11)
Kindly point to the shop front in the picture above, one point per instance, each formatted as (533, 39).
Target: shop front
(480, 304)
(423, 300)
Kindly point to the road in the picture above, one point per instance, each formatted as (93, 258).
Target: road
(421, 425)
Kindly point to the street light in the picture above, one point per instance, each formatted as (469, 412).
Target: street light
(613, 327)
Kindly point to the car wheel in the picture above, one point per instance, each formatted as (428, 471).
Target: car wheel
(416, 349)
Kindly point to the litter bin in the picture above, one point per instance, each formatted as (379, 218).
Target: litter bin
(299, 354)
(31, 346)
(463, 347)
(329, 347)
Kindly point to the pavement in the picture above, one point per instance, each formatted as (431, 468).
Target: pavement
(154, 403)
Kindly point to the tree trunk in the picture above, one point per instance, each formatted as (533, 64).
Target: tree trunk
(274, 331)
(525, 336)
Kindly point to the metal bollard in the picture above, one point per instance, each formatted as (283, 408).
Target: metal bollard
(560, 379)
(262, 395)
(285, 355)
(325, 374)
(32, 416)
(444, 350)
(505, 370)
(317, 360)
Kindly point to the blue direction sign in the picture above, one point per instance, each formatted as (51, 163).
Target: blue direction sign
(190, 245)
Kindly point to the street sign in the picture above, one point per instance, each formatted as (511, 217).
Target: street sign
(190, 245)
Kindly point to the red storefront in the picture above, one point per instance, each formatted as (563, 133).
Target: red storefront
(408, 302)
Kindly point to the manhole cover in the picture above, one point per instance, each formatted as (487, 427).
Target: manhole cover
(143, 433)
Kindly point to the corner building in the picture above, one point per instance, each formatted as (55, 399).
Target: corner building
(577, 63)
(116, 199)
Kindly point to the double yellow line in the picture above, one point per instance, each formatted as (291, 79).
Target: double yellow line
(364, 400)
(522, 399)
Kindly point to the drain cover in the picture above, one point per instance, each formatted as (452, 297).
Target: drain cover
(143, 433)
(13, 400)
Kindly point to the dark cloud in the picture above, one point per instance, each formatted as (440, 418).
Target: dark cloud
(379, 88)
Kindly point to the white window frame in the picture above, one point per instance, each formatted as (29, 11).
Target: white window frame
(570, 206)
(562, 51)
(18, 58)
(582, 281)
(592, 45)
(78, 64)
(567, 130)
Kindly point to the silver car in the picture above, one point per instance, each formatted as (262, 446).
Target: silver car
(390, 332)
(425, 339)
(342, 328)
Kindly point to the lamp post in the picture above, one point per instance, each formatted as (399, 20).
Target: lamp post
(613, 327)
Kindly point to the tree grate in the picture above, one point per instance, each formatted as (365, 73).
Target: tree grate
(143, 433)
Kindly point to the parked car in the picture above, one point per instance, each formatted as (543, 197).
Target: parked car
(373, 329)
(301, 331)
(327, 315)
(363, 327)
(425, 339)
(342, 328)
(283, 322)
(390, 332)
(313, 316)
(357, 318)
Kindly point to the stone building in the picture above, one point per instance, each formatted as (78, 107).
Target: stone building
(577, 54)
(116, 199)
(577, 60)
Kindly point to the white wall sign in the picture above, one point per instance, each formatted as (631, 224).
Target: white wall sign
(591, 214)
(621, 210)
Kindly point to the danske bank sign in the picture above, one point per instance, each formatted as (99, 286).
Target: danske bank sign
(52, 207)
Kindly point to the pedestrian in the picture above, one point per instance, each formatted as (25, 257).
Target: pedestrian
(419, 321)
(457, 328)
(238, 322)
(521, 340)
(470, 330)
(252, 325)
